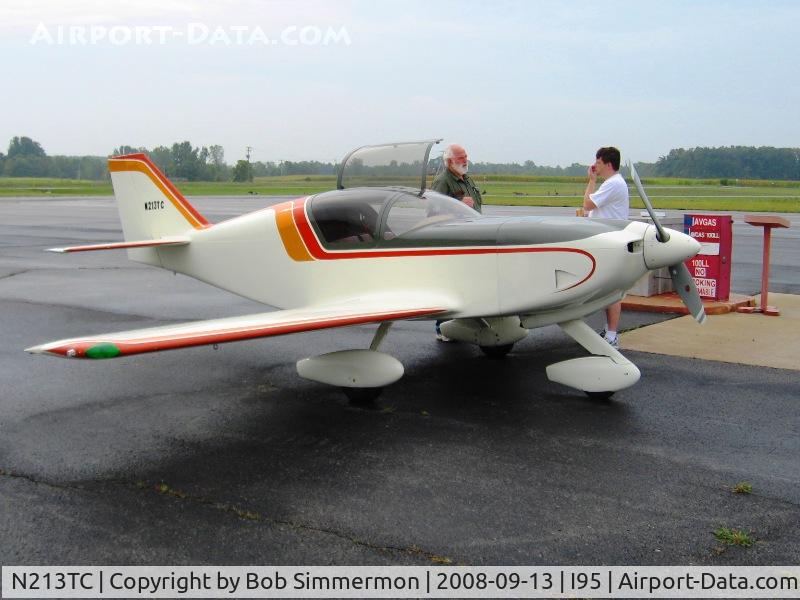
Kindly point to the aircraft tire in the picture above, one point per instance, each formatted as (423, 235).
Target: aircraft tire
(496, 351)
(601, 396)
(362, 396)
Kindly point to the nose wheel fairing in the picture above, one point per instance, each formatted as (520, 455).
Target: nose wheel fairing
(485, 332)
(605, 372)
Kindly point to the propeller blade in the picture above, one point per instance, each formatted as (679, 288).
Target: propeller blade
(684, 285)
(662, 236)
(681, 278)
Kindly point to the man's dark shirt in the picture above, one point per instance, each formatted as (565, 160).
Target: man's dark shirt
(449, 184)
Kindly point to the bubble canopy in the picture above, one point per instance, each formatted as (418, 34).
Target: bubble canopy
(402, 164)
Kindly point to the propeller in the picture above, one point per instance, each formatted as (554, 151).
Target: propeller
(681, 278)
(662, 236)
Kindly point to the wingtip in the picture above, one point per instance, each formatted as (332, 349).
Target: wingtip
(43, 349)
(57, 250)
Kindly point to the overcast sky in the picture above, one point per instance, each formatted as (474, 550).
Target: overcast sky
(512, 81)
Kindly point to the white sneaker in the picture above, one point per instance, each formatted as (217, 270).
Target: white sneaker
(614, 343)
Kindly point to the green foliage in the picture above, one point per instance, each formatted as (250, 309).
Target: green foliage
(61, 167)
(162, 156)
(122, 150)
(574, 170)
(216, 155)
(287, 167)
(182, 161)
(186, 161)
(27, 158)
(733, 537)
(25, 166)
(731, 163)
(242, 171)
(25, 146)
(723, 167)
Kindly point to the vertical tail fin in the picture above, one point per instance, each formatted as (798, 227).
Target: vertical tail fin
(150, 207)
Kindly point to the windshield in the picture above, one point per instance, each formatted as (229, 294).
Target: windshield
(366, 217)
(402, 164)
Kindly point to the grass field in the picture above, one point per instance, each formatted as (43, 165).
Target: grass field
(759, 196)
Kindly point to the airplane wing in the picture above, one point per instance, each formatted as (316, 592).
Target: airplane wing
(231, 329)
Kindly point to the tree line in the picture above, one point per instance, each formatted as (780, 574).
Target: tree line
(27, 158)
(744, 162)
(183, 161)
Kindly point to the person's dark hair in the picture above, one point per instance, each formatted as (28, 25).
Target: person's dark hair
(609, 155)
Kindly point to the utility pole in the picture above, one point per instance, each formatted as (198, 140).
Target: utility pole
(249, 168)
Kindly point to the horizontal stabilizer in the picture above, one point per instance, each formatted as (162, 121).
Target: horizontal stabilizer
(165, 241)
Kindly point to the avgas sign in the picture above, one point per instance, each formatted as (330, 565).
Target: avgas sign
(711, 268)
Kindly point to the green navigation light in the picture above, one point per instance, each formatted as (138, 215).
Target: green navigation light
(104, 350)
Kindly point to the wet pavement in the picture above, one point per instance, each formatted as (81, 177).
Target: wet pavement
(226, 456)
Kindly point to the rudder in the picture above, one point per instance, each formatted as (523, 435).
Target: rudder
(150, 206)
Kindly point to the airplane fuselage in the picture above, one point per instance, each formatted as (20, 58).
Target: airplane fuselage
(485, 266)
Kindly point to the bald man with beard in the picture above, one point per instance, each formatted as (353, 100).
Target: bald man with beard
(454, 181)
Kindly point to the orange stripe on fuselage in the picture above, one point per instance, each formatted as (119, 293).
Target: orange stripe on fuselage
(142, 164)
(288, 231)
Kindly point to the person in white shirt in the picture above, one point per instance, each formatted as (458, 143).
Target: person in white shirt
(609, 202)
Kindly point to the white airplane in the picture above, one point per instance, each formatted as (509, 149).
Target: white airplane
(363, 254)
